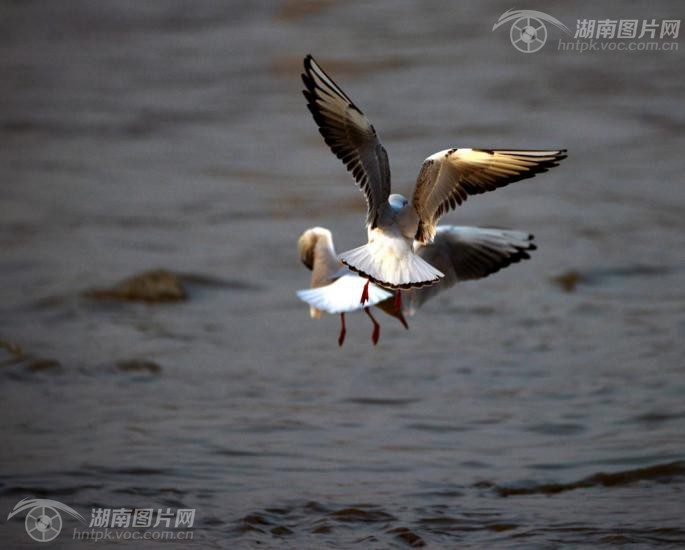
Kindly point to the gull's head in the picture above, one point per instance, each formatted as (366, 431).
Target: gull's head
(397, 201)
(307, 242)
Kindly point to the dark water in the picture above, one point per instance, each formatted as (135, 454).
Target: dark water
(139, 135)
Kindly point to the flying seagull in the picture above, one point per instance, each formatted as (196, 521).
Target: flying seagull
(334, 288)
(461, 253)
(397, 228)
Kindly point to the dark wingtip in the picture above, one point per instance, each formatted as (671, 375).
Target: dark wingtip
(307, 69)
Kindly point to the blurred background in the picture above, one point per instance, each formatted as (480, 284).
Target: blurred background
(541, 406)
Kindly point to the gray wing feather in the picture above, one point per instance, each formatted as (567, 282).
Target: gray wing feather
(448, 177)
(349, 134)
(467, 253)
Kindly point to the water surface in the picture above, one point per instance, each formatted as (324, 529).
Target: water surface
(172, 135)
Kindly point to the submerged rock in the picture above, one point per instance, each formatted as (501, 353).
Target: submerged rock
(38, 365)
(12, 347)
(15, 355)
(154, 286)
(138, 365)
(569, 280)
(407, 536)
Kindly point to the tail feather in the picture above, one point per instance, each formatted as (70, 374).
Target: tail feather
(388, 268)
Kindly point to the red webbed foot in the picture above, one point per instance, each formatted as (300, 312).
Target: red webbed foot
(376, 334)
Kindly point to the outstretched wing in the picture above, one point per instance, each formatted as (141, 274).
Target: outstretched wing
(349, 134)
(342, 295)
(447, 178)
(466, 253)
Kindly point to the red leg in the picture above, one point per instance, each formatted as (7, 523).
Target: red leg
(398, 300)
(376, 327)
(400, 316)
(343, 331)
(365, 293)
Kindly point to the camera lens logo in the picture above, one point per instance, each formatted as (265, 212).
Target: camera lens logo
(43, 521)
(528, 32)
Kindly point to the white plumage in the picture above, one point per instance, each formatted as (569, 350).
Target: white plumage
(342, 295)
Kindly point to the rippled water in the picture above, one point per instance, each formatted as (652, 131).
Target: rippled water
(172, 134)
